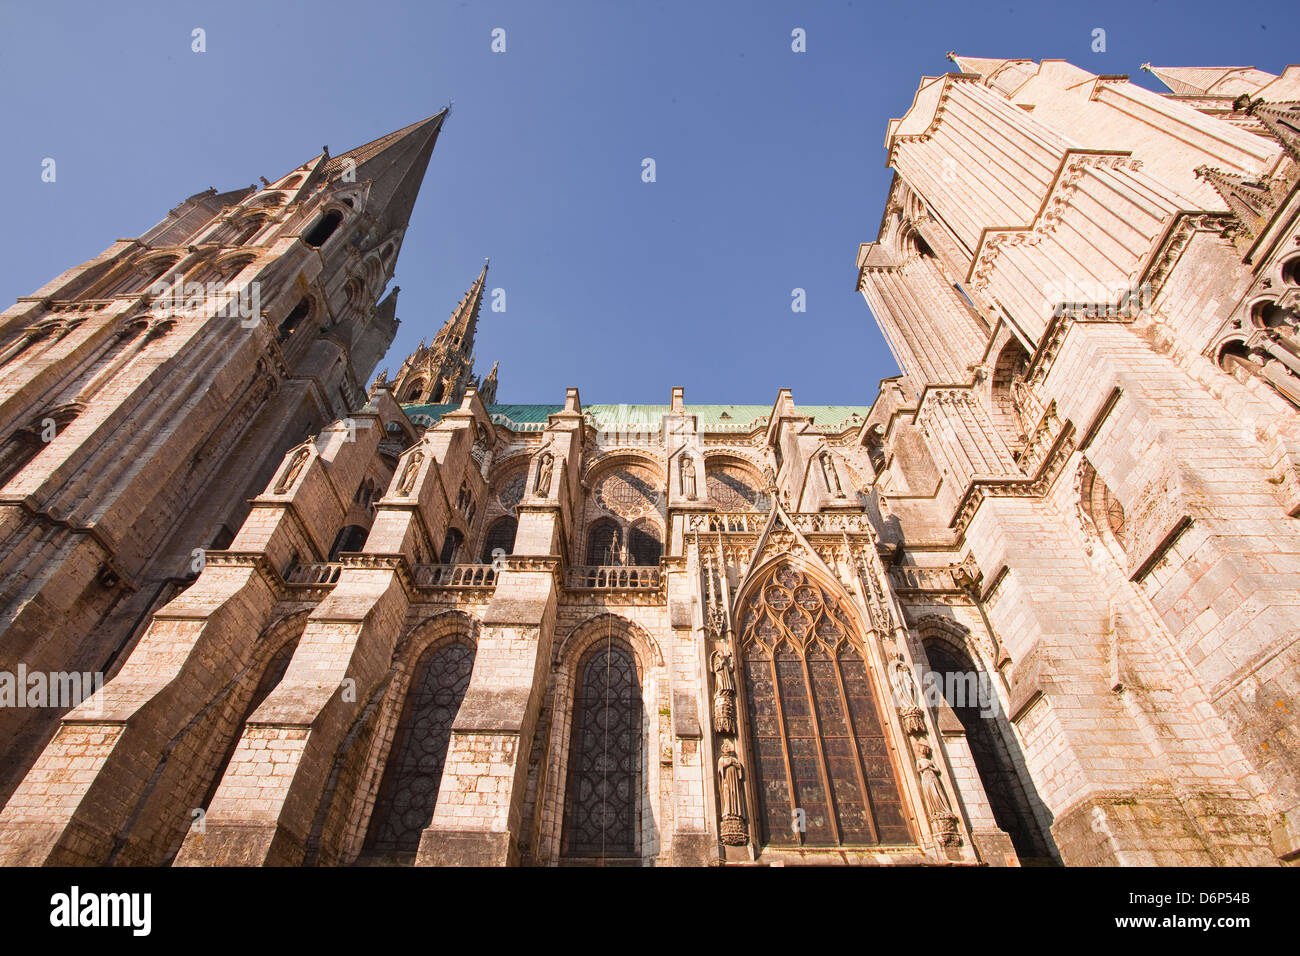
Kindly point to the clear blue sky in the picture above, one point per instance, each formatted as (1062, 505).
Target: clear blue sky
(770, 169)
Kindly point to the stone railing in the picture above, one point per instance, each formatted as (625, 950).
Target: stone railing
(315, 574)
(742, 522)
(816, 522)
(455, 575)
(614, 578)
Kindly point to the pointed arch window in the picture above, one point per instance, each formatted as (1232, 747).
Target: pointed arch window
(605, 543)
(1007, 795)
(451, 546)
(292, 320)
(602, 805)
(816, 732)
(500, 536)
(409, 791)
(319, 234)
(644, 544)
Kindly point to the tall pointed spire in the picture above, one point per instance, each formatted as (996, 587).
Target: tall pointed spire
(441, 372)
(488, 390)
(459, 330)
(394, 164)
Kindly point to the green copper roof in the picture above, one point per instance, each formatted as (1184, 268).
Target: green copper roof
(711, 417)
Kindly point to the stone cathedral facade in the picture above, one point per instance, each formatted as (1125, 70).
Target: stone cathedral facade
(1036, 602)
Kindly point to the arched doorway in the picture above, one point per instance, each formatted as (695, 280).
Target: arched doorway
(817, 736)
(409, 790)
(602, 802)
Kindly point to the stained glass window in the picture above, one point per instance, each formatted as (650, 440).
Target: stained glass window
(817, 736)
(409, 789)
(602, 818)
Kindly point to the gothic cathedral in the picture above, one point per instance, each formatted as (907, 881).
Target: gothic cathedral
(1037, 603)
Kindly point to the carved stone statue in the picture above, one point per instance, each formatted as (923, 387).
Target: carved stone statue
(724, 694)
(831, 475)
(544, 470)
(904, 685)
(942, 819)
(408, 473)
(688, 478)
(731, 776)
(295, 469)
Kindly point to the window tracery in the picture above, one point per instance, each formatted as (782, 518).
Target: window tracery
(409, 791)
(602, 804)
(817, 736)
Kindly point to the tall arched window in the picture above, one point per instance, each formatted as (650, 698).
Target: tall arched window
(451, 546)
(295, 316)
(351, 538)
(605, 543)
(324, 228)
(817, 736)
(602, 802)
(404, 807)
(644, 546)
(997, 772)
(500, 535)
(1103, 510)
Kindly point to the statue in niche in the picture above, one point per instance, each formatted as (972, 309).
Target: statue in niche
(408, 473)
(831, 475)
(295, 469)
(724, 694)
(769, 479)
(942, 819)
(688, 478)
(544, 469)
(904, 685)
(731, 776)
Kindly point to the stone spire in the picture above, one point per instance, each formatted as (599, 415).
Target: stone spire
(488, 390)
(394, 165)
(439, 373)
(1253, 203)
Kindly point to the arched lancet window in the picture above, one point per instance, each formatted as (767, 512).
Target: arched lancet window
(605, 543)
(350, 538)
(291, 321)
(644, 546)
(1008, 800)
(500, 535)
(1103, 509)
(451, 546)
(817, 737)
(602, 796)
(324, 228)
(409, 791)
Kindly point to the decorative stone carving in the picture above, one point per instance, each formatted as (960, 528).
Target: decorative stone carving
(291, 474)
(731, 775)
(407, 481)
(831, 475)
(688, 478)
(544, 470)
(942, 819)
(724, 694)
(904, 685)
